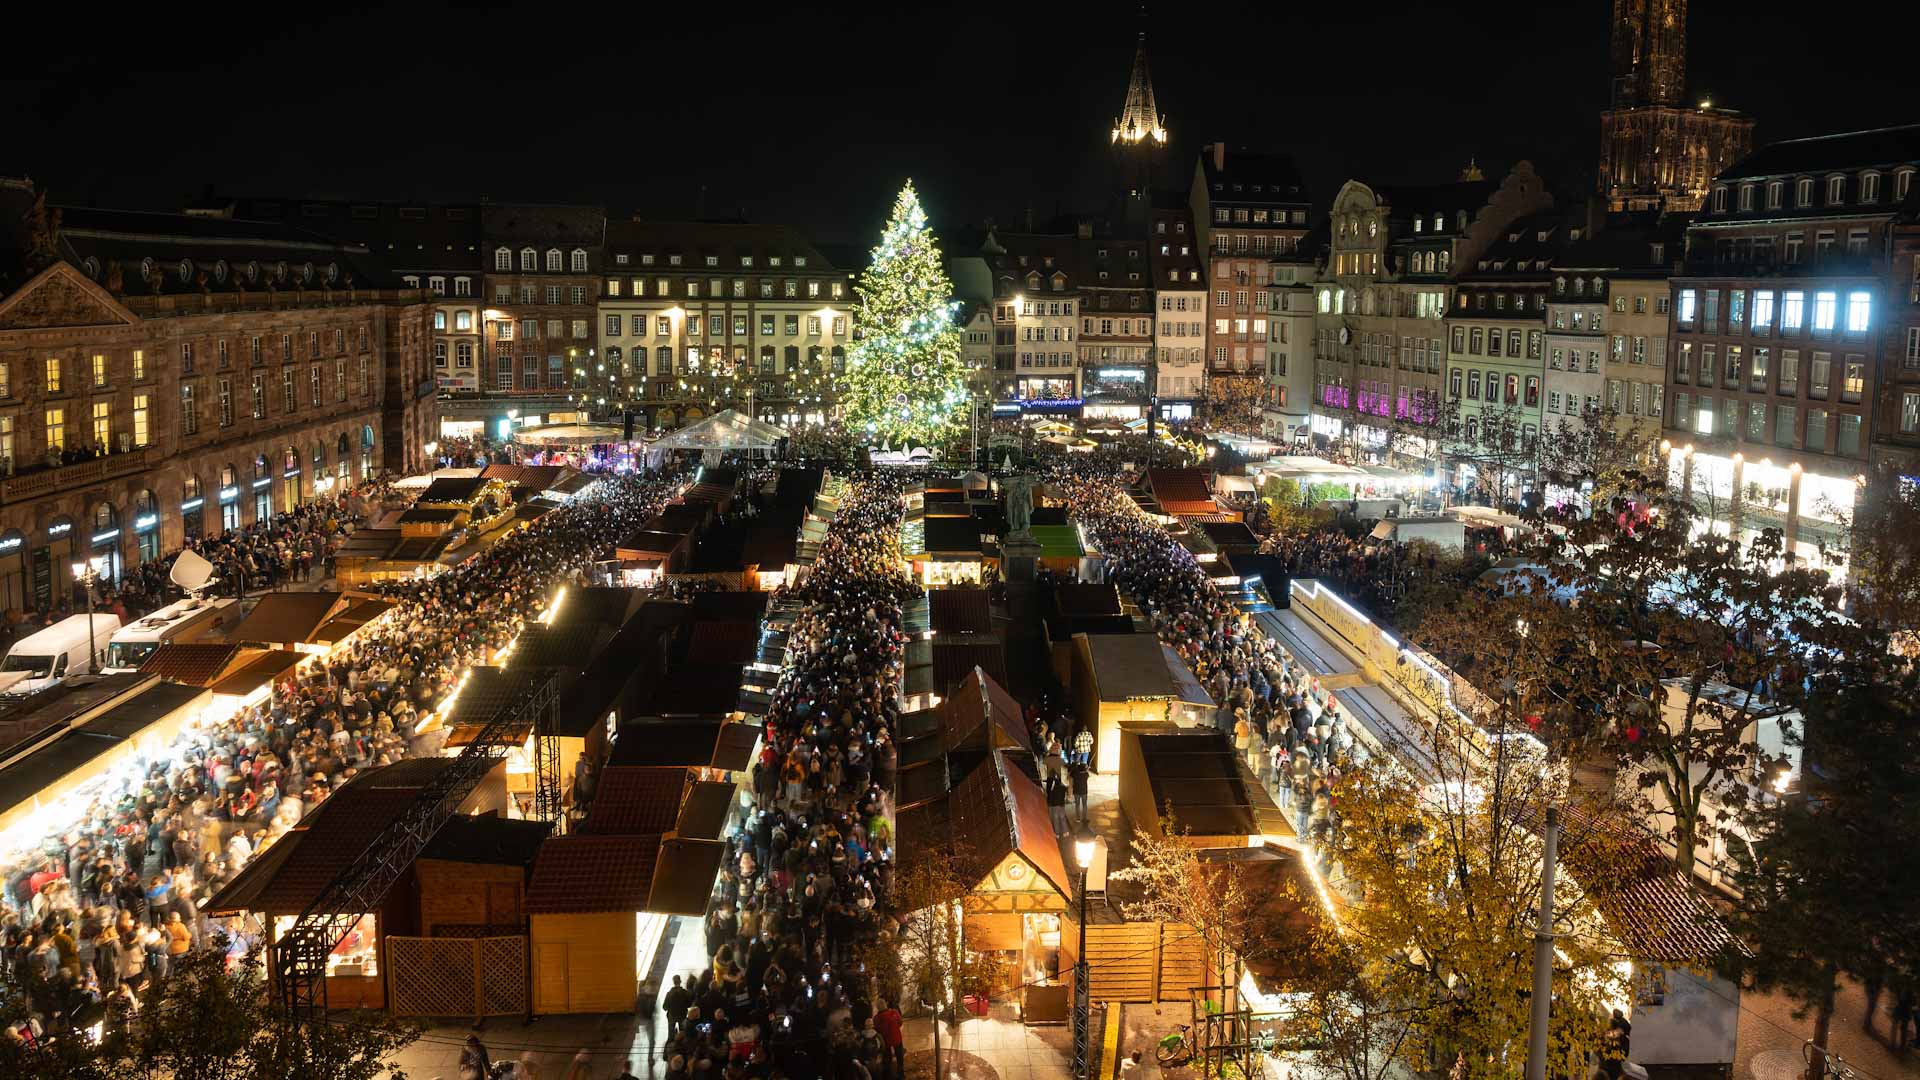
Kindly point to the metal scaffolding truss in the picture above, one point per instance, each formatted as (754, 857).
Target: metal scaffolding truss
(300, 954)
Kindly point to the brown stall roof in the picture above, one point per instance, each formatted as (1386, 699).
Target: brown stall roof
(1078, 601)
(431, 515)
(686, 743)
(981, 714)
(453, 489)
(649, 543)
(266, 666)
(1198, 775)
(286, 618)
(697, 690)
(630, 800)
(196, 663)
(955, 658)
(733, 751)
(703, 814)
(723, 643)
(683, 876)
(995, 811)
(1181, 491)
(577, 875)
(488, 839)
(960, 611)
(733, 605)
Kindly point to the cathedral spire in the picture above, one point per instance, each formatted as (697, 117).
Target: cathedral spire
(1140, 120)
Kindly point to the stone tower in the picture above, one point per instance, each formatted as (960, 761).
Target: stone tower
(1656, 151)
(1139, 140)
(1649, 52)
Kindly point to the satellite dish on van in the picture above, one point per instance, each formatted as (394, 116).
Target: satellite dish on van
(192, 572)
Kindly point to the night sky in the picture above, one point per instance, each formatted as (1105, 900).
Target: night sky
(814, 118)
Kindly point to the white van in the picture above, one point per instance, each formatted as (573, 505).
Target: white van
(41, 660)
(192, 619)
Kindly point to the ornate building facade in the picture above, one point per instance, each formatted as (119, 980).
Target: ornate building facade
(1656, 152)
(166, 376)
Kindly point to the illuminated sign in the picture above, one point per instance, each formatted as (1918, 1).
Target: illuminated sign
(62, 529)
(103, 537)
(10, 543)
(145, 522)
(291, 472)
(1123, 373)
(1050, 404)
(1006, 408)
(193, 504)
(262, 482)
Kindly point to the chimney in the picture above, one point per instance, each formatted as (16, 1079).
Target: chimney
(1219, 156)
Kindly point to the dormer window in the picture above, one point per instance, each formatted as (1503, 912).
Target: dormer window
(1579, 286)
(746, 261)
(502, 259)
(529, 260)
(185, 269)
(578, 260)
(1803, 191)
(1902, 183)
(800, 261)
(620, 260)
(1746, 198)
(1719, 200)
(1540, 237)
(1659, 253)
(1836, 189)
(673, 260)
(1560, 285)
(646, 260)
(1776, 193)
(1417, 222)
(1483, 264)
(554, 263)
(1870, 187)
(713, 260)
(1439, 221)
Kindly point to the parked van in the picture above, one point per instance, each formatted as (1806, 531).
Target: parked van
(66, 648)
(192, 619)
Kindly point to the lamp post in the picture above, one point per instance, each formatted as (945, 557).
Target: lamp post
(88, 573)
(1083, 847)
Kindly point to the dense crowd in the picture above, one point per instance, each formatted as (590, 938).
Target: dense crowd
(93, 914)
(1292, 731)
(809, 868)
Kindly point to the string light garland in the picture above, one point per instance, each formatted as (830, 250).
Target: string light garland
(905, 382)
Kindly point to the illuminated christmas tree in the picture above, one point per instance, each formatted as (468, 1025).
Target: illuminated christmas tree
(905, 382)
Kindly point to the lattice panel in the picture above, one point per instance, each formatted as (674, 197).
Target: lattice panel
(503, 975)
(431, 976)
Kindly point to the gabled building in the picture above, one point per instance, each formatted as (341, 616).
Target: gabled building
(1610, 296)
(1177, 269)
(1036, 280)
(1393, 256)
(1116, 326)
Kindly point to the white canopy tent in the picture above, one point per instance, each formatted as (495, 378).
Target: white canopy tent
(728, 429)
(575, 435)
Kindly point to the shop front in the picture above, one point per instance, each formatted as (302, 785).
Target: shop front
(13, 570)
(995, 819)
(52, 578)
(192, 509)
(146, 526)
(290, 478)
(1741, 498)
(1179, 410)
(1116, 393)
(103, 544)
(262, 489)
(228, 498)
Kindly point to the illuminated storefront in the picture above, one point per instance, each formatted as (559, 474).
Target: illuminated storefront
(1741, 497)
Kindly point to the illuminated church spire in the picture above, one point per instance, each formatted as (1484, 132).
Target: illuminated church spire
(1140, 121)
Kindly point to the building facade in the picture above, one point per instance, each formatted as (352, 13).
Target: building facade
(1618, 275)
(541, 286)
(1791, 329)
(1036, 302)
(1657, 152)
(168, 376)
(696, 317)
(1178, 273)
(1116, 327)
(1288, 409)
(1248, 208)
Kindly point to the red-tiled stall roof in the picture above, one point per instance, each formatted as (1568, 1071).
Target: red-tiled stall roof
(960, 611)
(631, 800)
(577, 875)
(1181, 491)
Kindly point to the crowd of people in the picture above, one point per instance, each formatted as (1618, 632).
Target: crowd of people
(808, 870)
(92, 915)
(1291, 730)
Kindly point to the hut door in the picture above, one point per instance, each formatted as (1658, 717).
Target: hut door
(550, 982)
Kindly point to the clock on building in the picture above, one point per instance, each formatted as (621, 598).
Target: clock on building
(1346, 336)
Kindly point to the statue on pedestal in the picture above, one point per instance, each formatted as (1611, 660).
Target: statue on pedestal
(1019, 491)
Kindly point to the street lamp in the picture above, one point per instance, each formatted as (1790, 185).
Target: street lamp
(1083, 848)
(88, 574)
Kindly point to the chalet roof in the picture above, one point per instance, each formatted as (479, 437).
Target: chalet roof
(981, 714)
(487, 839)
(583, 874)
(1181, 491)
(631, 800)
(1198, 776)
(195, 663)
(286, 618)
(960, 611)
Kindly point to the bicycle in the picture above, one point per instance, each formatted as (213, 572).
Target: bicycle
(1175, 1049)
(1832, 1065)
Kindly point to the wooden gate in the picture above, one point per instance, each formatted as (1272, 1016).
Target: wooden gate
(1143, 961)
(467, 976)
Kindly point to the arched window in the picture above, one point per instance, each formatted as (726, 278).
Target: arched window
(105, 517)
(529, 260)
(190, 489)
(1579, 286)
(502, 259)
(229, 476)
(663, 360)
(290, 460)
(554, 265)
(579, 260)
(319, 458)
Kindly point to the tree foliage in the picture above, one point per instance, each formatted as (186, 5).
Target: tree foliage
(211, 1023)
(905, 381)
(925, 957)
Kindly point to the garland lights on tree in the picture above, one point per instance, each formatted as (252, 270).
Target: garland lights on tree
(905, 381)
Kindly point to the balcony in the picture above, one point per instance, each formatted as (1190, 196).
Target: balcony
(44, 481)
